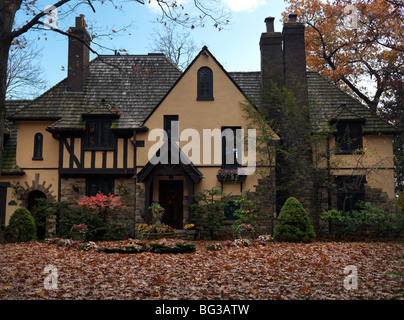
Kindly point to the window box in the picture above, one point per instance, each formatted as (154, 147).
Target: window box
(225, 175)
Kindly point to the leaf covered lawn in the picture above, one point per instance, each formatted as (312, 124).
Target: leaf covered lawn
(273, 271)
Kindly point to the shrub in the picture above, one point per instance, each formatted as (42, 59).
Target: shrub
(293, 224)
(21, 227)
(366, 218)
(102, 204)
(210, 204)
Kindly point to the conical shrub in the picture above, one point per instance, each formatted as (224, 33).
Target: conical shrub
(21, 227)
(293, 224)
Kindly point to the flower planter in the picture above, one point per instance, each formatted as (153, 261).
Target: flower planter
(191, 234)
(231, 178)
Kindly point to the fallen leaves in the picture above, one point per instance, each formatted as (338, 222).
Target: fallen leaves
(273, 271)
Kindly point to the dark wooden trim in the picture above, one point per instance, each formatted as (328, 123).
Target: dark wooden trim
(36, 168)
(359, 169)
(139, 143)
(82, 153)
(115, 161)
(60, 154)
(98, 148)
(93, 154)
(125, 153)
(81, 171)
(385, 132)
(72, 151)
(104, 160)
(97, 116)
(12, 173)
(122, 133)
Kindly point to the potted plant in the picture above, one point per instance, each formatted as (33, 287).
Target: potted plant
(79, 232)
(157, 212)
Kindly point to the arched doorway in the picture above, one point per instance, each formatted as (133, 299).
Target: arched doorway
(40, 221)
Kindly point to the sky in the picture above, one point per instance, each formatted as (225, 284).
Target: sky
(236, 46)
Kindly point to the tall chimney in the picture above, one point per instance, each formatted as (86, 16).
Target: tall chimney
(79, 55)
(294, 56)
(271, 66)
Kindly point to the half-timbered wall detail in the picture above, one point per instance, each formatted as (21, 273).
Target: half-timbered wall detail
(75, 158)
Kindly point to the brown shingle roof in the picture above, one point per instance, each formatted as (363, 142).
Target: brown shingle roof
(133, 85)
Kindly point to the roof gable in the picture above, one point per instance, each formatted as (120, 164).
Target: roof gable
(203, 53)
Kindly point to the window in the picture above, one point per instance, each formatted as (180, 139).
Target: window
(349, 137)
(229, 210)
(205, 84)
(231, 148)
(350, 191)
(98, 133)
(171, 127)
(38, 146)
(95, 185)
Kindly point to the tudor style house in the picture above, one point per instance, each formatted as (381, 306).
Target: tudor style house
(95, 132)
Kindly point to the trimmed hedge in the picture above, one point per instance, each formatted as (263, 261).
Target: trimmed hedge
(293, 224)
(21, 227)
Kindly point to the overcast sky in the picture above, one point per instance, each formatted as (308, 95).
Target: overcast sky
(236, 47)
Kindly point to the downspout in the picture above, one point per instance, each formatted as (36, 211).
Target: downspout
(329, 180)
(133, 141)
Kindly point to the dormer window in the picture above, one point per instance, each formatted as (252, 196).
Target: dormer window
(205, 84)
(349, 137)
(38, 146)
(98, 133)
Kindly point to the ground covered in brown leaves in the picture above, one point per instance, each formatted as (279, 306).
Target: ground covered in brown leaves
(270, 271)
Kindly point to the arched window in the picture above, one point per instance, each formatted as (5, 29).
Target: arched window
(205, 84)
(38, 146)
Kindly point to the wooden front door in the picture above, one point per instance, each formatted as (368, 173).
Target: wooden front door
(170, 197)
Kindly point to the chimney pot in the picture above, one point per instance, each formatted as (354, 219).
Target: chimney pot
(292, 17)
(270, 24)
(80, 21)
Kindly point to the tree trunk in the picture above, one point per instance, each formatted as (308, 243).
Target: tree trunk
(7, 15)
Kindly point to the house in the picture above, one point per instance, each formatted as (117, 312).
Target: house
(98, 131)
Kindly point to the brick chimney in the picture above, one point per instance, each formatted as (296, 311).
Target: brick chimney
(271, 52)
(271, 67)
(79, 55)
(294, 56)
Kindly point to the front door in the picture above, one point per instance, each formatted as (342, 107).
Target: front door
(170, 198)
